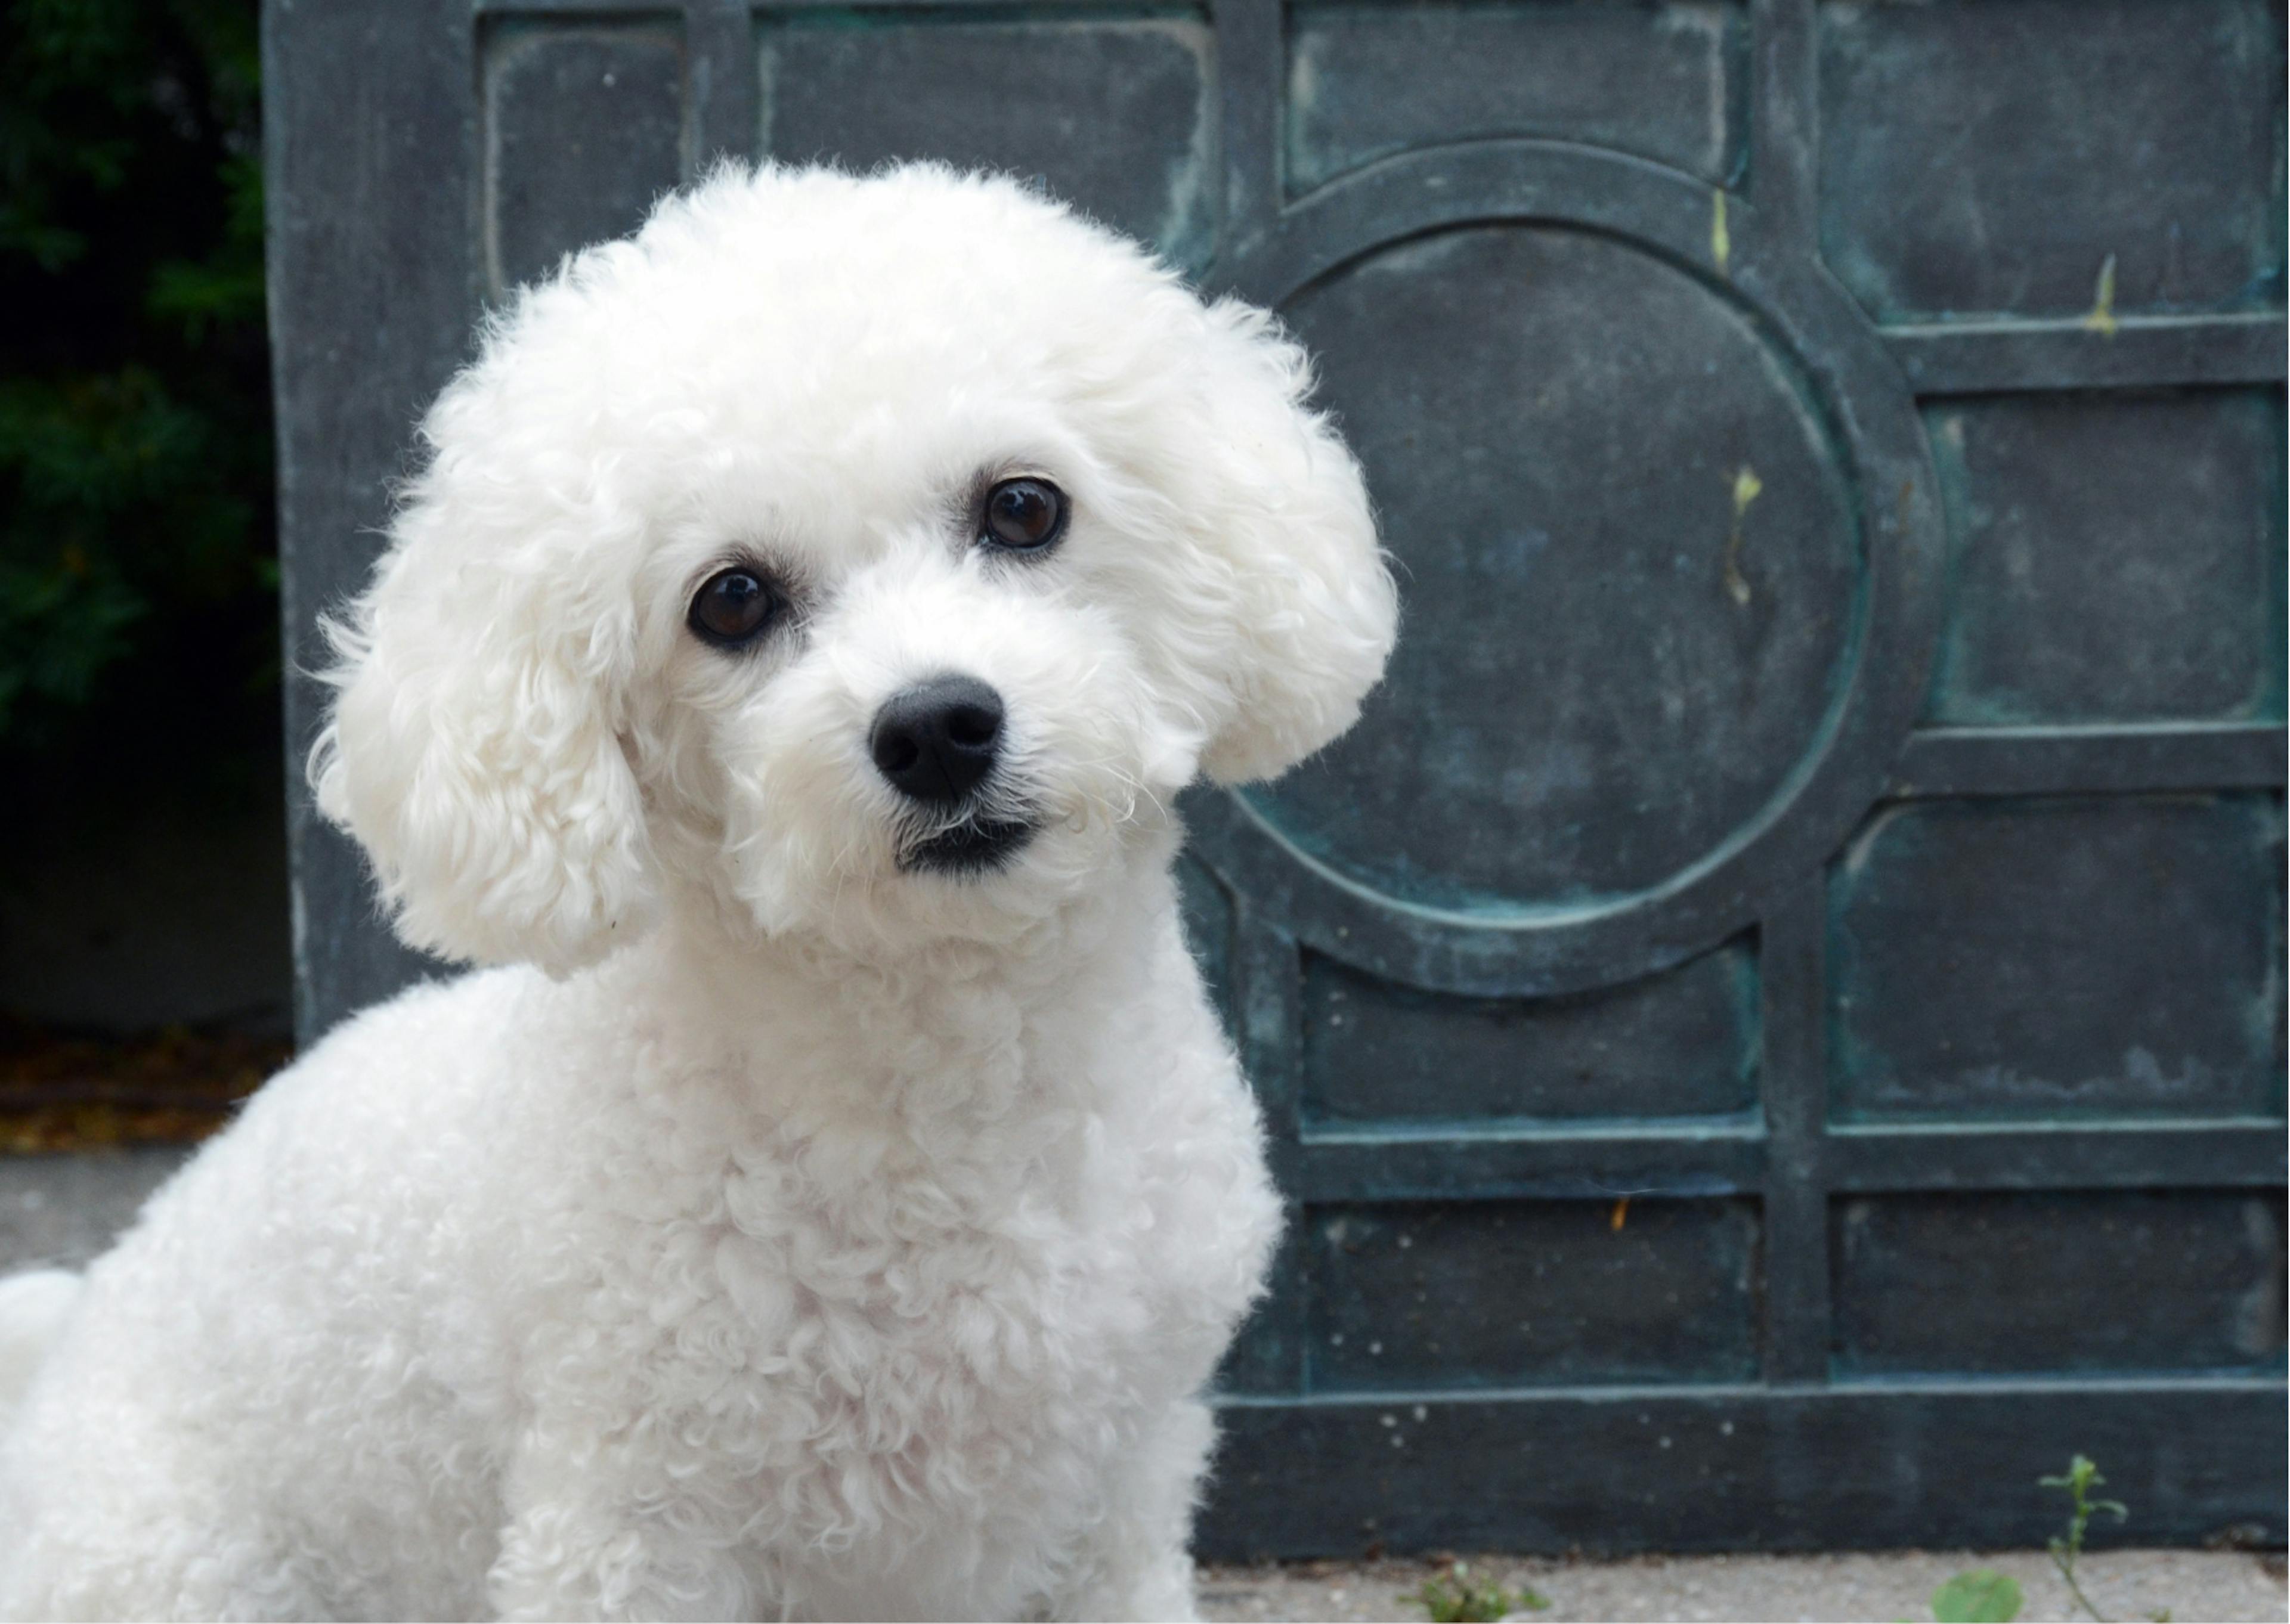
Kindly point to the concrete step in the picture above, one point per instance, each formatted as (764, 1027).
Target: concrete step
(67, 1209)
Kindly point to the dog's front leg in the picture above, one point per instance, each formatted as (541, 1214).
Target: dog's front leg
(1134, 1561)
(591, 1538)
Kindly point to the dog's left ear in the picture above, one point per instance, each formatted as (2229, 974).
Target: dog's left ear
(474, 748)
(1283, 514)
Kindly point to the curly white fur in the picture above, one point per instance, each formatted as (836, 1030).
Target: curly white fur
(780, 1231)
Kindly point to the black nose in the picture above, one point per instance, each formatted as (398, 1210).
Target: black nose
(936, 740)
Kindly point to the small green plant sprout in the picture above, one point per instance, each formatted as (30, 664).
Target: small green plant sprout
(1456, 1598)
(1982, 1595)
(2081, 1477)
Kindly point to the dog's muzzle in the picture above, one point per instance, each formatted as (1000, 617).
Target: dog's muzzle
(936, 743)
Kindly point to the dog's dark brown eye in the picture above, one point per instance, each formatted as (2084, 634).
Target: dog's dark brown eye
(731, 608)
(1024, 515)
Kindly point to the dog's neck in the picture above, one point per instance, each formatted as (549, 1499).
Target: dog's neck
(976, 1029)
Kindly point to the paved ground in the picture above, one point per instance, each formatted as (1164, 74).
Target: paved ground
(2124, 1584)
(65, 1209)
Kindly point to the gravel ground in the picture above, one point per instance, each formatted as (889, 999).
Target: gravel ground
(2124, 1585)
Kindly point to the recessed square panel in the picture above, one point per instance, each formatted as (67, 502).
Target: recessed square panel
(1112, 115)
(2118, 1280)
(1680, 1043)
(583, 133)
(2114, 558)
(2046, 157)
(1666, 81)
(1515, 1293)
(2014, 959)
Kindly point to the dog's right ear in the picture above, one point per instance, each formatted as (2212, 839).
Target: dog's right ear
(1281, 505)
(474, 748)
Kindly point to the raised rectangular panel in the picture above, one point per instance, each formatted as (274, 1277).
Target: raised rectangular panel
(2022, 1284)
(584, 130)
(1114, 116)
(1666, 81)
(2045, 157)
(2112, 558)
(1945, 1466)
(1520, 1293)
(2072, 957)
(1680, 1043)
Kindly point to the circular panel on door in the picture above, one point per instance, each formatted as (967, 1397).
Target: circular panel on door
(1669, 546)
(1629, 566)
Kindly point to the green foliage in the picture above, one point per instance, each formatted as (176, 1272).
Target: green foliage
(136, 553)
(1981, 1596)
(1455, 1597)
(2081, 1477)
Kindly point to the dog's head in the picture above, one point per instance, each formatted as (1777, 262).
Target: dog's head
(874, 555)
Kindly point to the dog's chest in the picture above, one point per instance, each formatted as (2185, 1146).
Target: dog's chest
(918, 1320)
(950, 1277)
(893, 1348)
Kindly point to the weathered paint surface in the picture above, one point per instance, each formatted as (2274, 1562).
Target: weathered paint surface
(1679, 1044)
(583, 129)
(1118, 111)
(1979, 158)
(2117, 1280)
(2062, 606)
(1773, 1027)
(1411, 1298)
(1667, 82)
(2086, 956)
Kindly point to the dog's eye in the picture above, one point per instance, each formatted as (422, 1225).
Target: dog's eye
(731, 607)
(1023, 516)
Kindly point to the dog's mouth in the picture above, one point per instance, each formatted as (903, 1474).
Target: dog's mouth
(975, 846)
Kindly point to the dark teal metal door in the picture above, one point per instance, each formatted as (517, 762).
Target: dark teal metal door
(1773, 1024)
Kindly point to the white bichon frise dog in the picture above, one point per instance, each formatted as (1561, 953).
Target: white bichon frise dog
(837, 1203)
